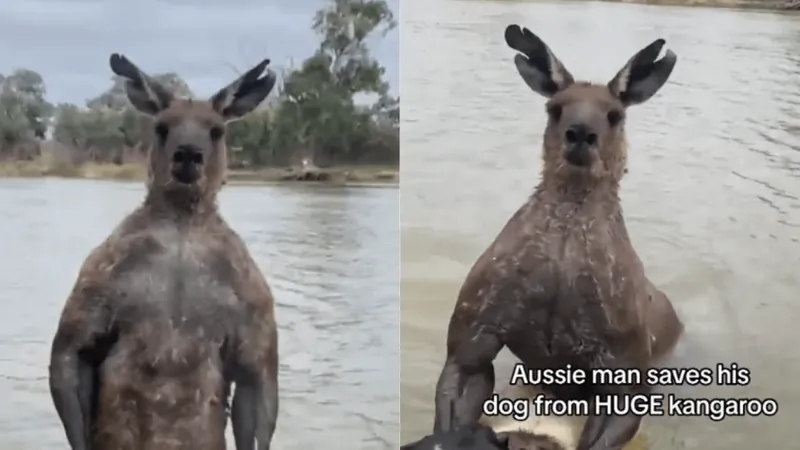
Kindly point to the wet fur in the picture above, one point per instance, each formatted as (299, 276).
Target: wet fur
(534, 433)
(562, 283)
(170, 309)
(484, 438)
(505, 433)
(478, 437)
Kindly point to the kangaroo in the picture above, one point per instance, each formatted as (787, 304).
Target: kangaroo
(561, 284)
(171, 309)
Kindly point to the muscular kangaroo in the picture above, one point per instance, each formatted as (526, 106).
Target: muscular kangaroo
(170, 309)
(562, 283)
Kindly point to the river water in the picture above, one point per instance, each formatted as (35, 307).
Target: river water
(330, 255)
(712, 200)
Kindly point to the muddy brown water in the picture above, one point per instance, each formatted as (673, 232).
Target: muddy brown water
(330, 255)
(712, 200)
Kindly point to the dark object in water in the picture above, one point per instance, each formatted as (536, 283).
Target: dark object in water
(483, 438)
(473, 438)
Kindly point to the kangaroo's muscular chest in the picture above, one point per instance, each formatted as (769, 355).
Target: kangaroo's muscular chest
(174, 306)
(557, 282)
(560, 249)
(178, 280)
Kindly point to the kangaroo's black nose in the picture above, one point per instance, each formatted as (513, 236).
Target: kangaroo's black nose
(580, 134)
(188, 154)
(580, 139)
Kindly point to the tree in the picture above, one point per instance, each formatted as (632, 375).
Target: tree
(319, 107)
(116, 99)
(109, 125)
(344, 28)
(335, 107)
(249, 139)
(24, 112)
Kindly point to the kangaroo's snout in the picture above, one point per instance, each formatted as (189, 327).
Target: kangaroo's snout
(579, 139)
(186, 162)
(580, 134)
(188, 154)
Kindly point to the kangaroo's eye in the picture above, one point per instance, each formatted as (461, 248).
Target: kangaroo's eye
(554, 111)
(216, 132)
(614, 117)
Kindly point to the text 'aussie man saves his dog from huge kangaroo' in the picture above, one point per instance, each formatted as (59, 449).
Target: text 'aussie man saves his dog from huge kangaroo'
(562, 283)
(171, 309)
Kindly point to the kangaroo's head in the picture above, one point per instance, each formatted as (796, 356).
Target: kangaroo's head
(584, 140)
(188, 159)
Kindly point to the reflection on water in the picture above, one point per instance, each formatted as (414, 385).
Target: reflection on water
(329, 254)
(712, 200)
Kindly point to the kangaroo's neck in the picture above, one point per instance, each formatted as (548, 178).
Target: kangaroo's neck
(186, 205)
(578, 188)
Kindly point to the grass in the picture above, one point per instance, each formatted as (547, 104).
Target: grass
(354, 175)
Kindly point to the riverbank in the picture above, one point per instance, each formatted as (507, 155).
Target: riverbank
(355, 175)
(765, 5)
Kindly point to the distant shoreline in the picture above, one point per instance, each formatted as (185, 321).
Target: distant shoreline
(778, 6)
(344, 175)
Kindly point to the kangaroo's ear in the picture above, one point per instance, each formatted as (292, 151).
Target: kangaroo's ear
(146, 94)
(537, 64)
(642, 76)
(245, 93)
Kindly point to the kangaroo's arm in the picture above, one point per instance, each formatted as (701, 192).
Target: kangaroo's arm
(79, 346)
(254, 410)
(663, 324)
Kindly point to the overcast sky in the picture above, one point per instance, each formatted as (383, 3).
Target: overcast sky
(69, 41)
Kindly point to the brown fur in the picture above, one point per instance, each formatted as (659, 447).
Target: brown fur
(527, 441)
(663, 323)
(189, 117)
(479, 437)
(483, 437)
(562, 283)
(171, 309)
